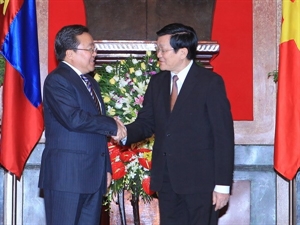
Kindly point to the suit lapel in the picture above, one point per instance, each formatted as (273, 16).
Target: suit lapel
(166, 92)
(98, 93)
(82, 86)
(73, 76)
(189, 83)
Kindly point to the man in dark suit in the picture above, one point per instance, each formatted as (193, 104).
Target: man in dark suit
(192, 161)
(75, 168)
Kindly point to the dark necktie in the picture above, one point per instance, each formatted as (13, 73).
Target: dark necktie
(174, 92)
(91, 90)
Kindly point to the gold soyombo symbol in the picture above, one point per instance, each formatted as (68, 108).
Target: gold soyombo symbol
(5, 2)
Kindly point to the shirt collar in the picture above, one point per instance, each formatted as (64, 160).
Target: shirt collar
(183, 73)
(75, 69)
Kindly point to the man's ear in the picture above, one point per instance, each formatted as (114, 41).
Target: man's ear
(69, 54)
(183, 52)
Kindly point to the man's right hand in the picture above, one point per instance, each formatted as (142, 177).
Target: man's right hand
(122, 131)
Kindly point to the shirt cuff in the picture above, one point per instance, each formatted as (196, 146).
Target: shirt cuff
(124, 140)
(222, 189)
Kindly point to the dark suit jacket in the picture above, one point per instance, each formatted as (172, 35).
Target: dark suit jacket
(196, 140)
(75, 158)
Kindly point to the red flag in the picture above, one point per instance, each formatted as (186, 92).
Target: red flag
(62, 13)
(287, 129)
(232, 28)
(22, 121)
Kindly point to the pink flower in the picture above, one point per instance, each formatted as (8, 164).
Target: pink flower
(139, 100)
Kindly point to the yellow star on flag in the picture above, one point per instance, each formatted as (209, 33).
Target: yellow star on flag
(5, 2)
(291, 21)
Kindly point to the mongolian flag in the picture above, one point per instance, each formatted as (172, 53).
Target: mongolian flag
(22, 121)
(287, 129)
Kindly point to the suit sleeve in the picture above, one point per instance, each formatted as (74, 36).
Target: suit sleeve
(143, 126)
(71, 109)
(221, 121)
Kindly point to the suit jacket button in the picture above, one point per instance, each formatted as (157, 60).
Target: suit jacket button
(168, 135)
(103, 154)
(164, 154)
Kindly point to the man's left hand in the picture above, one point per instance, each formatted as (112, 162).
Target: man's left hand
(220, 200)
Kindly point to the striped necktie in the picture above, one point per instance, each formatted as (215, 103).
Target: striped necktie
(91, 90)
(174, 92)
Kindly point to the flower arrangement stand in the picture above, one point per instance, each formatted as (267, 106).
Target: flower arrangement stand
(122, 207)
(135, 208)
(148, 211)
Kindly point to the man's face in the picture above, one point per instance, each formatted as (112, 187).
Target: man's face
(84, 57)
(168, 59)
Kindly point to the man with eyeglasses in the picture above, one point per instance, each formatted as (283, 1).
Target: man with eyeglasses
(192, 159)
(75, 168)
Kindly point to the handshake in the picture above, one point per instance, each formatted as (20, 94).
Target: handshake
(122, 131)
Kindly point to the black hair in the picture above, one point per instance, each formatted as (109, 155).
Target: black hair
(66, 39)
(182, 36)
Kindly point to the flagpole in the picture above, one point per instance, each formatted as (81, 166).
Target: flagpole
(292, 202)
(10, 200)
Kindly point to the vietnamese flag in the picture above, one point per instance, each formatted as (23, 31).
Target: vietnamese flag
(287, 129)
(22, 121)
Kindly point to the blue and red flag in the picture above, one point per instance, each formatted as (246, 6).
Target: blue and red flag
(22, 120)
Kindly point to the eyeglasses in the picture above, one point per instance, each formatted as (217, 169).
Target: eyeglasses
(158, 49)
(91, 50)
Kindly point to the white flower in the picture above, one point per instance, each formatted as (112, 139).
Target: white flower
(118, 105)
(122, 100)
(116, 78)
(112, 94)
(128, 98)
(131, 175)
(140, 88)
(138, 73)
(123, 82)
(109, 69)
(135, 61)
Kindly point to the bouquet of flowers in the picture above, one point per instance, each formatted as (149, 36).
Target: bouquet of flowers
(123, 85)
